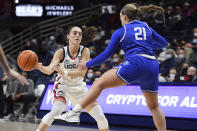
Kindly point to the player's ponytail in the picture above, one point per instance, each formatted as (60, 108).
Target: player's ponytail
(132, 11)
(142, 10)
(88, 34)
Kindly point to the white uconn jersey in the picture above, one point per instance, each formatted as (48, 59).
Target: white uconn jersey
(68, 63)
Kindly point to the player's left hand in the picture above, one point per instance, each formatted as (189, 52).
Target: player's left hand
(13, 74)
(82, 65)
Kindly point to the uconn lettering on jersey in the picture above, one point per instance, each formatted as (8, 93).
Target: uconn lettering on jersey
(69, 65)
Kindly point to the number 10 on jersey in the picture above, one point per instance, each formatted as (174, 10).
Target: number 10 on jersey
(140, 33)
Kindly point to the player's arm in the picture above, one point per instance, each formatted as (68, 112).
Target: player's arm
(11, 73)
(58, 56)
(158, 40)
(4, 62)
(77, 72)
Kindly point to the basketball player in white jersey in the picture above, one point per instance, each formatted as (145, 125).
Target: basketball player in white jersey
(70, 87)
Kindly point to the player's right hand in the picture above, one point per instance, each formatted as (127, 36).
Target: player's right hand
(82, 65)
(37, 66)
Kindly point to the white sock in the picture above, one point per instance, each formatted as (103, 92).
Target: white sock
(77, 108)
(37, 130)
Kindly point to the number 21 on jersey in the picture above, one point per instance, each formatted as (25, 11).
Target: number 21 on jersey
(140, 33)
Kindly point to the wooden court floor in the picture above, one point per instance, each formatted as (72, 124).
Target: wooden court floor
(6, 125)
(26, 126)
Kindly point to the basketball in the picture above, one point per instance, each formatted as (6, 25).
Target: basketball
(27, 60)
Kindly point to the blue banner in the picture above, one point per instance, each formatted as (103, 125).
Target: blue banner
(175, 101)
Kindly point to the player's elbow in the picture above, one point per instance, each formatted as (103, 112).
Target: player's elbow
(50, 71)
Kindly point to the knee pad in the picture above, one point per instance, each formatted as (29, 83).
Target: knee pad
(97, 113)
(57, 109)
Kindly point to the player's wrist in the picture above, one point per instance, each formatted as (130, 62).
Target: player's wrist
(65, 73)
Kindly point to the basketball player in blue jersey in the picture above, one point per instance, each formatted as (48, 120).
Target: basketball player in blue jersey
(72, 86)
(137, 40)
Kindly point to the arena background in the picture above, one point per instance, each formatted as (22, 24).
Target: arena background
(40, 25)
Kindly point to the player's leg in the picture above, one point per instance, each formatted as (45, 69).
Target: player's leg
(158, 116)
(58, 105)
(108, 80)
(116, 77)
(93, 109)
(57, 109)
(149, 86)
(96, 112)
(120, 76)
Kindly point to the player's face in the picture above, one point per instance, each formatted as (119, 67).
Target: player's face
(75, 35)
(122, 18)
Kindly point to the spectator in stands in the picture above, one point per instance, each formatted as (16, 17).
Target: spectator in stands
(162, 78)
(188, 77)
(92, 51)
(34, 46)
(180, 59)
(11, 61)
(183, 70)
(194, 36)
(186, 9)
(191, 74)
(52, 45)
(116, 60)
(60, 35)
(98, 74)
(27, 45)
(19, 93)
(90, 76)
(193, 58)
(104, 67)
(168, 63)
(100, 33)
(169, 14)
(172, 74)
(162, 56)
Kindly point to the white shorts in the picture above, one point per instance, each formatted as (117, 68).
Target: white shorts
(68, 92)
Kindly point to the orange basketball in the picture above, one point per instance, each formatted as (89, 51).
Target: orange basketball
(27, 60)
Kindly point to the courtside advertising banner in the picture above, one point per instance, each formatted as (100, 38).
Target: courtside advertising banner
(175, 101)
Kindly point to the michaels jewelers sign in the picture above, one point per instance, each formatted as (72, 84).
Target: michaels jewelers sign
(35, 10)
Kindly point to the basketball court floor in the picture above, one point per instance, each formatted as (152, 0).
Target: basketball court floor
(6, 125)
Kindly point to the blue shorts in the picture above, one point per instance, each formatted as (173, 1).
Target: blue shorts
(141, 70)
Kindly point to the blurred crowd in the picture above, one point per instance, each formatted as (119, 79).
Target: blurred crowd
(178, 61)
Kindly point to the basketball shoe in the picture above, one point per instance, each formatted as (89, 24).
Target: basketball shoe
(69, 117)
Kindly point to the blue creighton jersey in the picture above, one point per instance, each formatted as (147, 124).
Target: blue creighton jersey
(136, 37)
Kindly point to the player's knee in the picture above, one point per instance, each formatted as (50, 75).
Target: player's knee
(98, 84)
(97, 113)
(57, 109)
(153, 107)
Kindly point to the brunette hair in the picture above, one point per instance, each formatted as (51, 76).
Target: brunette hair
(133, 12)
(88, 33)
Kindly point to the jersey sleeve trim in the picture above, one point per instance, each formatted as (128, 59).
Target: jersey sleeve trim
(82, 50)
(125, 31)
(63, 55)
(148, 27)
